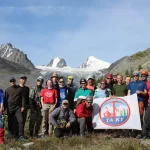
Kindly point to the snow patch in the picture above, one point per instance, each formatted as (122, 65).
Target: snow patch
(4, 53)
(55, 62)
(95, 63)
(9, 53)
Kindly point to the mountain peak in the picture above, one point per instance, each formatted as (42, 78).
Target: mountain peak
(57, 63)
(8, 52)
(95, 63)
(92, 58)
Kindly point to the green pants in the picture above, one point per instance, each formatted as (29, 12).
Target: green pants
(35, 121)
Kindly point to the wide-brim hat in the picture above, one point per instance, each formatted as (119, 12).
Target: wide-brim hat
(54, 75)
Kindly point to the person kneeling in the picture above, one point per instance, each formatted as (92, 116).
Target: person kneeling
(62, 118)
(84, 114)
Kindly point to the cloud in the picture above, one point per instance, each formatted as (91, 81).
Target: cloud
(120, 29)
(108, 31)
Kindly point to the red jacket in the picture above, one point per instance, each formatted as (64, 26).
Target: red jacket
(83, 111)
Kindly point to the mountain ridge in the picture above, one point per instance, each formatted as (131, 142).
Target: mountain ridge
(10, 53)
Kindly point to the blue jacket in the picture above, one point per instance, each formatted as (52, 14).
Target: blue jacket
(1, 96)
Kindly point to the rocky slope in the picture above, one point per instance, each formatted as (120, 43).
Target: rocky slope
(8, 67)
(137, 61)
(8, 52)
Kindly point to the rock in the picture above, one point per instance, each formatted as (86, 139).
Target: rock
(145, 142)
(8, 52)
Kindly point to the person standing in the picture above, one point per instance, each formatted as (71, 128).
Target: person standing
(64, 93)
(73, 89)
(54, 78)
(1, 117)
(144, 76)
(35, 107)
(90, 84)
(14, 103)
(25, 92)
(83, 91)
(140, 88)
(114, 79)
(109, 81)
(119, 89)
(49, 102)
(102, 91)
(127, 80)
(146, 125)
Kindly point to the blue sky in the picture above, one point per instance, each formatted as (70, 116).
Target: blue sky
(75, 29)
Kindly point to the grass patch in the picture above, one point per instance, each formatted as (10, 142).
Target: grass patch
(94, 142)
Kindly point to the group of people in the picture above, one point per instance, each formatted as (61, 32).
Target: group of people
(63, 109)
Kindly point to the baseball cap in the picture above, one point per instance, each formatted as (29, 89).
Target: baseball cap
(65, 101)
(109, 75)
(89, 98)
(70, 77)
(136, 73)
(90, 77)
(23, 77)
(12, 78)
(40, 78)
(83, 81)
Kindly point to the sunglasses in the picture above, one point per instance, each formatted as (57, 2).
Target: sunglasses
(61, 81)
(109, 78)
(90, 102)
(136, 76)
(12, 81)
(65, 103)
(143, 76)
(39, 80)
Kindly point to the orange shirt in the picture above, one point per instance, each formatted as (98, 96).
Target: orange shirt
(90, 87)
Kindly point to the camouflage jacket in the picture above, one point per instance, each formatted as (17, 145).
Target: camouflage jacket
(34, 98)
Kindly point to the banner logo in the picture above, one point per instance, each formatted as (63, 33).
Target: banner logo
(114, 112)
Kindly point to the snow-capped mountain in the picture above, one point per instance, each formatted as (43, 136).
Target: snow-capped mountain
(77, 73)
(57, 63)
(8, 52)
(95, 63)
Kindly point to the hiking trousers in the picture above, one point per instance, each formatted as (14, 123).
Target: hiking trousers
(46, 124)
(60, 132)
(85, 124)
(35, 121)
(146, 125)
(11, 120)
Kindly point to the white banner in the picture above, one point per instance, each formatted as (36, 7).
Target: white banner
(116, 113)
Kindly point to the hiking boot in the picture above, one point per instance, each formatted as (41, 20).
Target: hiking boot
(31, 134)
(36, 134)
(144, 138)
(139, 136)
